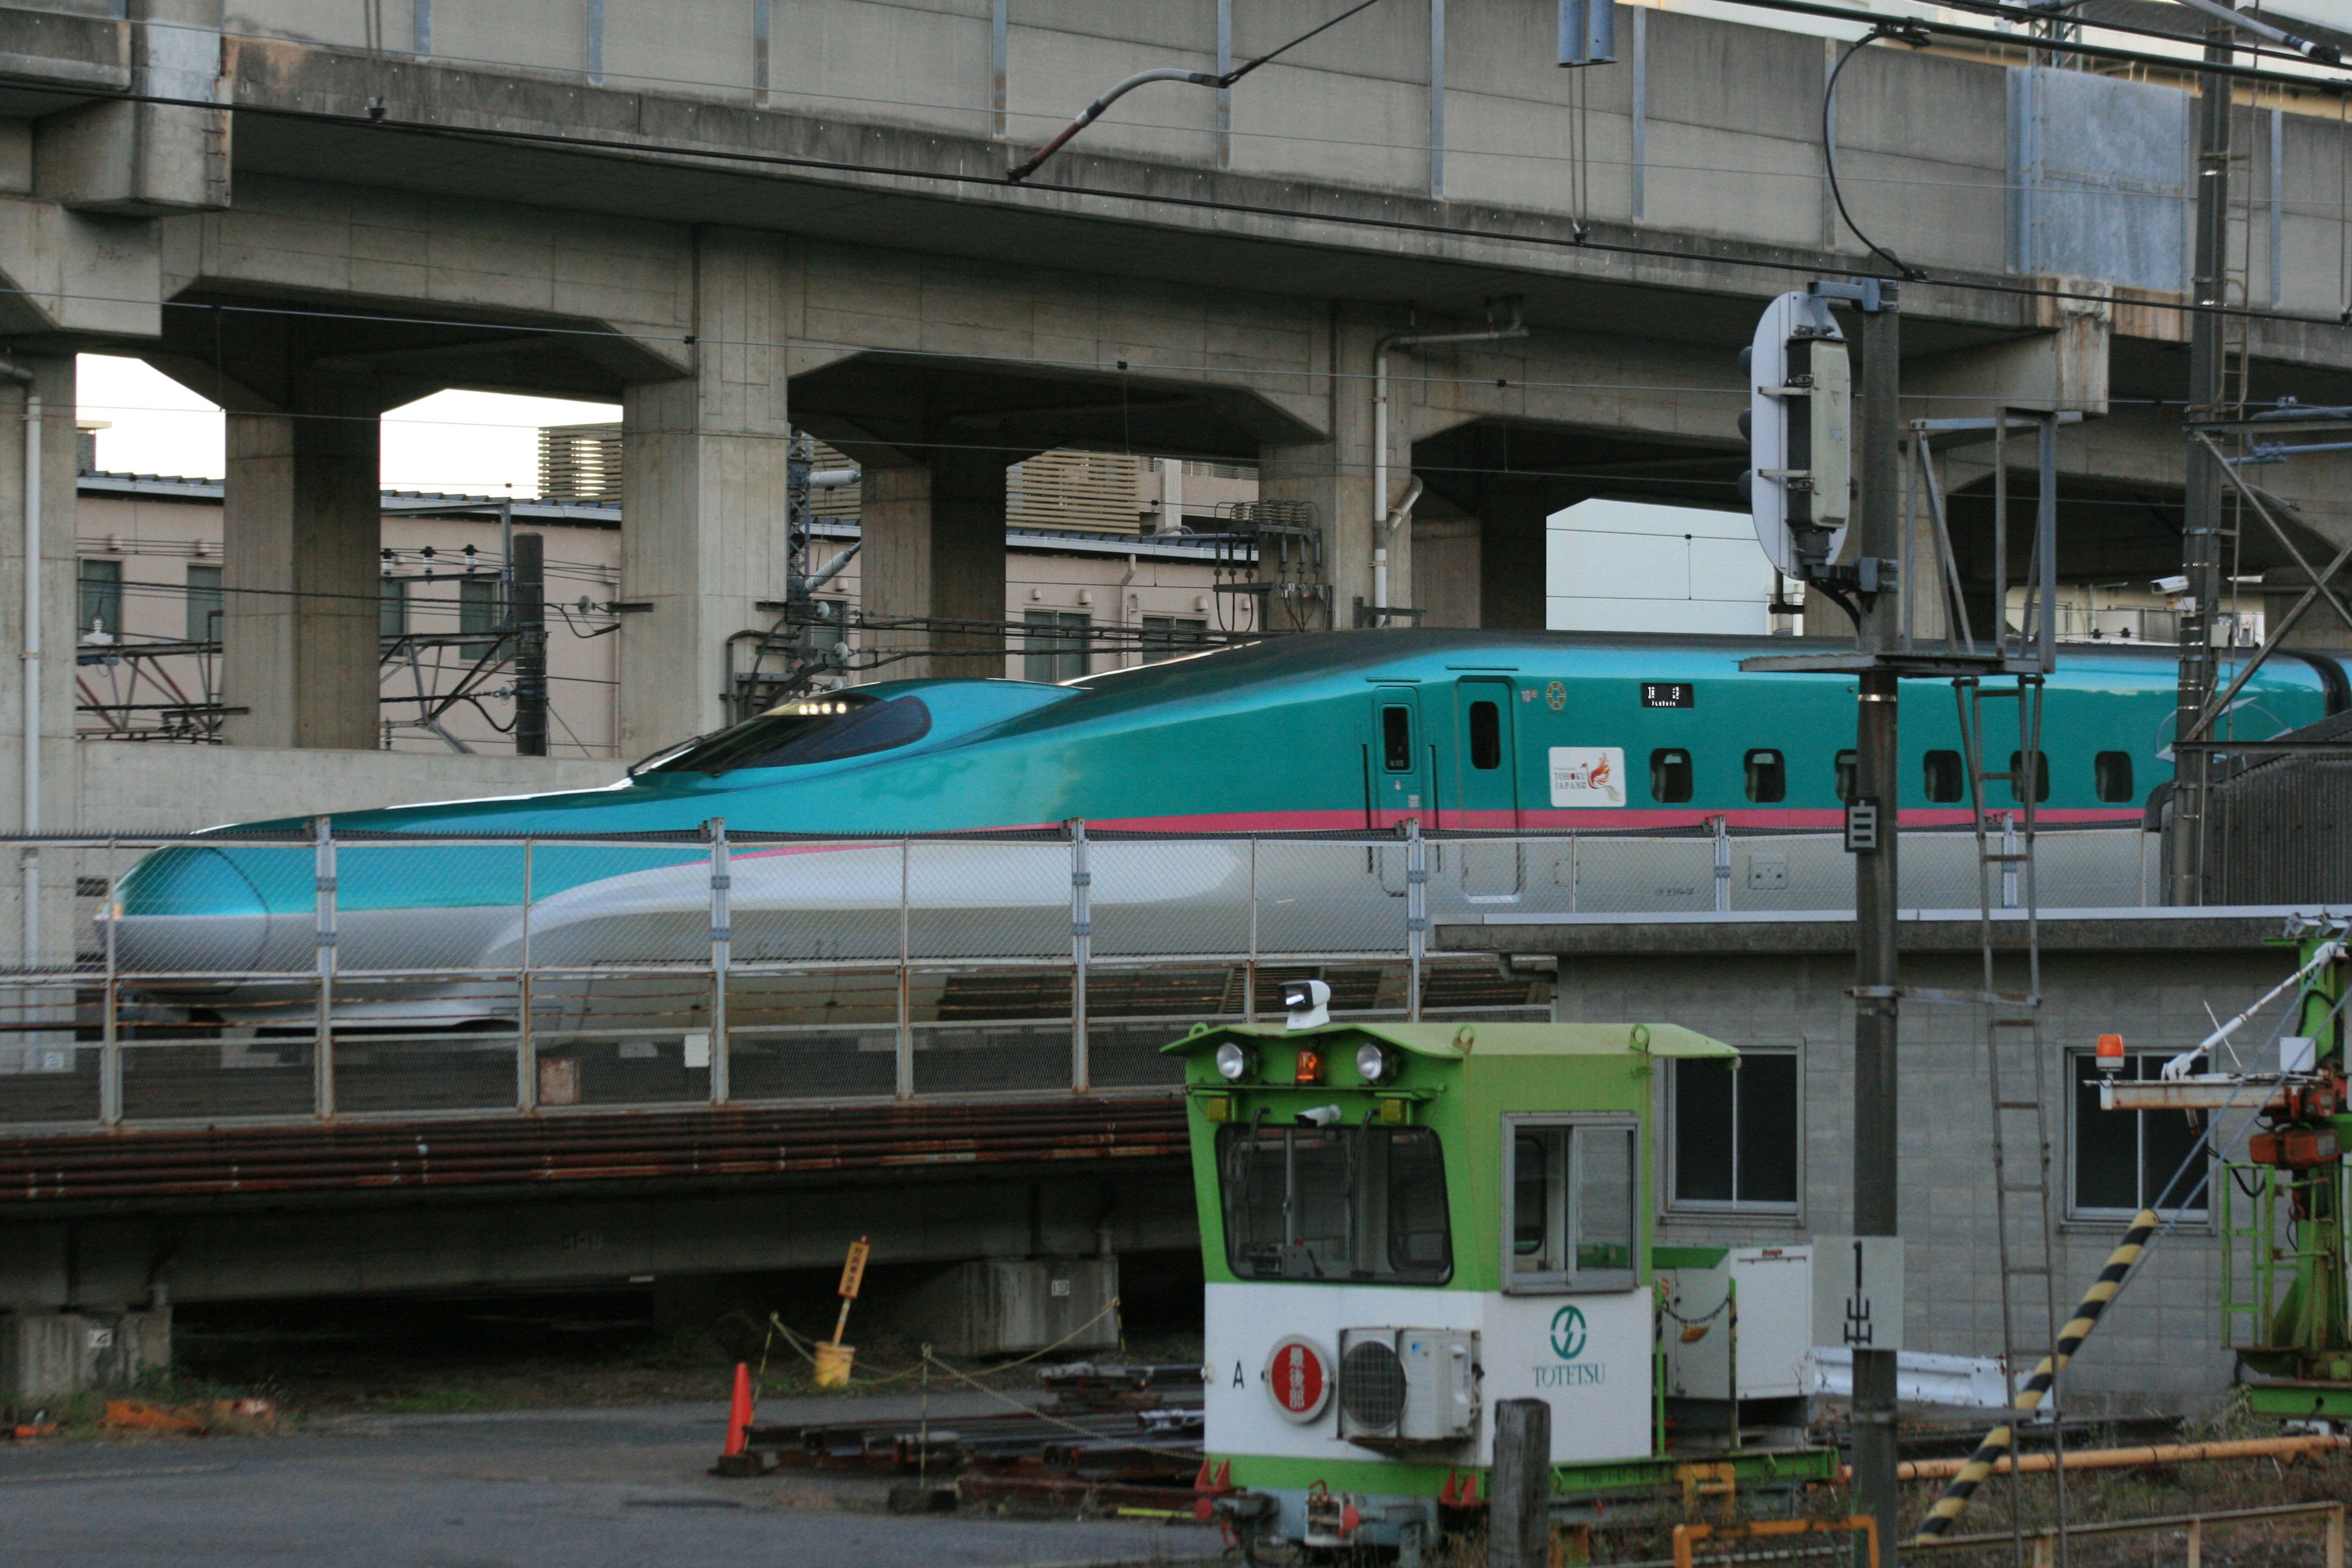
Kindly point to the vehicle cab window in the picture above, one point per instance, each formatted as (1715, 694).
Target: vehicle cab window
(1569, 1185)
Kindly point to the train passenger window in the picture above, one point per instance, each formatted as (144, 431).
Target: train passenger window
(1335, 1203)
(1849, 776)
(1768, 777)
(1946, 781)
(1670, 775)
(1396, 739)
(2112, 773)
(1486, 736)
(1569, 1203)
(2040, 777)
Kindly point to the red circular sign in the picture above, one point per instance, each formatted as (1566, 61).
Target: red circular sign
(1298, 1377)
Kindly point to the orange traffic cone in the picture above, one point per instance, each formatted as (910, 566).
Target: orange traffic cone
(739, 1416)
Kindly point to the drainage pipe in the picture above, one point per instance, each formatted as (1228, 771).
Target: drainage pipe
(28, 870)
(1383, 519)
(2125, 1459)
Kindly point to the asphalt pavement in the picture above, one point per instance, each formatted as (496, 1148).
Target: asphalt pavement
(571, 1489)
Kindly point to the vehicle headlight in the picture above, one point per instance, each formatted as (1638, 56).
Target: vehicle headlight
(1233, 1061)
(1374, 1064)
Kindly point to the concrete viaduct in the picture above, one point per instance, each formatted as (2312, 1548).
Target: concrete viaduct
(740, 216)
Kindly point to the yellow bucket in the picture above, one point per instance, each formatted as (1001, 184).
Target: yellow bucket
(833, 1364)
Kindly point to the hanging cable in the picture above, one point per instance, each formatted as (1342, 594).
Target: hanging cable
(1913, 35)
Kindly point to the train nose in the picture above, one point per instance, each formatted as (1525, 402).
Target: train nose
(187, 908)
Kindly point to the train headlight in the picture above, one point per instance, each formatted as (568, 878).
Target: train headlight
(1374, 1064)
(1233, 1062)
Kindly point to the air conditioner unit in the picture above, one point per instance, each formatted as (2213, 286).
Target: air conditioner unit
(1401, 1386)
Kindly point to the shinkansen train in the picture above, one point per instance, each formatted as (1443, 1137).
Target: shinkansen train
(1351, 730)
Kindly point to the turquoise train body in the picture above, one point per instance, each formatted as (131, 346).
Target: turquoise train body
(1458, 730)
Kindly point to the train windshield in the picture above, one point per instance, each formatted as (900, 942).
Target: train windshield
(1335, 1203)
(806, 730)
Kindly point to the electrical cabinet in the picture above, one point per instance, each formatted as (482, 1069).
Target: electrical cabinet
(1749, 1307)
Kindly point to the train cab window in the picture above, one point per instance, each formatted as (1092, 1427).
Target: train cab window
(1569, 1194)
(2040, 772)
(1396, 739)
(1849, 776)
(1670, 775)
(1352, 1203)
(1768, 777)
(820, 728)
(1945, 781)
(1486, 736)
(2111, 771)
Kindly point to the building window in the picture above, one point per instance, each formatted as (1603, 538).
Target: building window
(1734, 1133)
(480, 612)
(1054, 648)
(2112, 773)
(1768, 777)
(1165, 636)
(392, 607)
(1945, 780)
(101, 598)
(2123, 1159)
(204, 603)
(1568, 1190)
(1849, 774)
(2017, 773)
(1670, 776)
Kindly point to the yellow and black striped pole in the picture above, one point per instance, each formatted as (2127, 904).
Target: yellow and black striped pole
(2002, 1440)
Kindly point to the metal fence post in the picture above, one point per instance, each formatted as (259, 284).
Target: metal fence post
(722, 939)
(1081, 949)
(110, 1059)
(322, 1050)
(1249, 974)
(903, 1047)
(1416, 911)
(1722, 826)
(526, 1042)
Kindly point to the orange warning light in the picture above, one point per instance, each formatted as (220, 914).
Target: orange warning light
(2111, 1053)
(1310, 1066)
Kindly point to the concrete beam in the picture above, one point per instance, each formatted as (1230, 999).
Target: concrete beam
(147, 159)
(247, 1252)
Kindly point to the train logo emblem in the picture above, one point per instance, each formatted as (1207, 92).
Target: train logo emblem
(1588, 777)
(1299, 1378)
(1556, 694)
(1567, 1334)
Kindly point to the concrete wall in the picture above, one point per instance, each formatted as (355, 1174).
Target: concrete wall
(2160, 1344)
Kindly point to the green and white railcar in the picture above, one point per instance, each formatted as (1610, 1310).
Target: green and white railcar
(1402, 1224)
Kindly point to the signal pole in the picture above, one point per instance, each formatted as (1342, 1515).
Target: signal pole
(2201, 542)
(1876, 789)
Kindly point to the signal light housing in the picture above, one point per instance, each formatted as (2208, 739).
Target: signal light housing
(1308, 1069)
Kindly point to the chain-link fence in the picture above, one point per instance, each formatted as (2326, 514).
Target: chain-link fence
(219, 980)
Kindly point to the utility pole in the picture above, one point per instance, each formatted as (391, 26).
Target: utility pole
(1877, 790)
(2201, 542)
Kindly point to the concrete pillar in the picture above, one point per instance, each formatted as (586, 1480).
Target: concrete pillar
(1448, 581)
(301, 526)
(934, 546)
(1512, 553)
(703, 497)
(54, 783)
(1335, 476)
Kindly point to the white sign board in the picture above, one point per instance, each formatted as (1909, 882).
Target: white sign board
(1858, 1291)
(1772, 411)
(1588, 777)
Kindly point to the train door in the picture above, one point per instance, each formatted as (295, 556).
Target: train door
(1486, 793)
